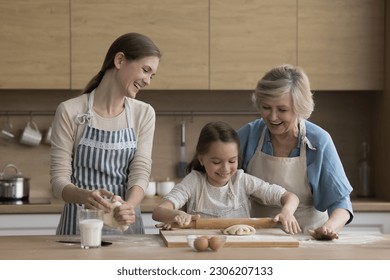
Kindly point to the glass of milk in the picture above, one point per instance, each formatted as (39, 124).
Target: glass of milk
(91, 225)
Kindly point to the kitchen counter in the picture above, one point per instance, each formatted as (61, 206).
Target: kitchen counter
(55, 207)
(150, 247)
(148, 204)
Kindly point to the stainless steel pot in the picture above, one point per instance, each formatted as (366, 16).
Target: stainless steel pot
(13, 186)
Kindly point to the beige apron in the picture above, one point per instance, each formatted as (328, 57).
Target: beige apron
(290, 173)
(219, 202)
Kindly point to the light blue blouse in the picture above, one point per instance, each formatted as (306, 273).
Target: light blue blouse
(329, 183)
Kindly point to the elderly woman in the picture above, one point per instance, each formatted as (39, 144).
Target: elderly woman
(284, 148)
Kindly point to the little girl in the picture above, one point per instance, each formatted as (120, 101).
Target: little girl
(214, 187)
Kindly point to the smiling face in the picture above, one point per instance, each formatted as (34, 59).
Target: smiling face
(136, 74)
(220, 162)
(278, 114)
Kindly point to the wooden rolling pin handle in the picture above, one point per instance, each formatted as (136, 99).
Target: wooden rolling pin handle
(222, 223)
(192, 225)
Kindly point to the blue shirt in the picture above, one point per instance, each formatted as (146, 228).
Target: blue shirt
(328, 181)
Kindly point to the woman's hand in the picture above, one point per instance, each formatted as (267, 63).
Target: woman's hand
(124, 214)
(329, 231)
(324, 233)
(289, 223)
(97, 200)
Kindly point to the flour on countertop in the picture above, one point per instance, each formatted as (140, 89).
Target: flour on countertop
(344, 239)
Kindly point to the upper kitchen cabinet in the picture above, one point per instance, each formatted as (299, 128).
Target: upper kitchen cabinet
(341, 43)
(34, 48)
(247, 38)
(178, 27)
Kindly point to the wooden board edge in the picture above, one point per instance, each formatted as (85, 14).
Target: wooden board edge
(163, 238)
(242, 245)
(291, 244)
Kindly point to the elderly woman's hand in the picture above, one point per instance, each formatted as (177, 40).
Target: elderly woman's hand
(323, 233)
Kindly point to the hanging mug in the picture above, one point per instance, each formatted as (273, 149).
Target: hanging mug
(7, 132)
(31, 135)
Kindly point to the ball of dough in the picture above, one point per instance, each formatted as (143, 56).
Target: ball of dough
(239, 230)
(110, 221)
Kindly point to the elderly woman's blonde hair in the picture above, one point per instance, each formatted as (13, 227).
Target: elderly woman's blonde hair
(285, 79)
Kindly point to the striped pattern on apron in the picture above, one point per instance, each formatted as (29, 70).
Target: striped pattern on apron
(101, 160)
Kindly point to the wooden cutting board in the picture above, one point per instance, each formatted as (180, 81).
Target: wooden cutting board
(269, 237)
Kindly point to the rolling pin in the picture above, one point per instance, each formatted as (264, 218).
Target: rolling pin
(222, 223)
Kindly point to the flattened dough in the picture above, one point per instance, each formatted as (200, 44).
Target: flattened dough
(239, 230)
(110, 221)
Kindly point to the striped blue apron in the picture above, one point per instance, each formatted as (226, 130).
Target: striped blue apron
(101, 160)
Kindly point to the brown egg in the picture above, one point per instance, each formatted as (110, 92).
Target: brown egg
(201, 243)
(215, 243)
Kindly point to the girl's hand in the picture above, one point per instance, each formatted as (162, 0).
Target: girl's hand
(289, 223)
(323, 233)
(181, 220)
(184, 219)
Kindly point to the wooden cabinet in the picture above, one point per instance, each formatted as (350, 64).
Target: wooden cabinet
(341, 43)
(34, 48)
(247, 38)
(206, 44)
(178, 27)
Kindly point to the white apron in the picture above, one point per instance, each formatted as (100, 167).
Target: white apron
(101, 160)
(290, 173)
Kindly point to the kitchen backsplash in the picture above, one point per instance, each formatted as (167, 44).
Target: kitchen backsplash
(345, 115)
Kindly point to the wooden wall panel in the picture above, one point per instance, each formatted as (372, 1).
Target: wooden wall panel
(247, 38)
(34, 48)
(178, 27)
(340, 43)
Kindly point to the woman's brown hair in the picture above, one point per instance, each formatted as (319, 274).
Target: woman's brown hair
(134, 46)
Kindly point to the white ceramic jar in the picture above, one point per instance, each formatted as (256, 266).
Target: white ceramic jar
(164, 187)
(151, 190)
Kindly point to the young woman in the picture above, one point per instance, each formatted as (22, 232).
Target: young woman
(102, 140)
(215, 188)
